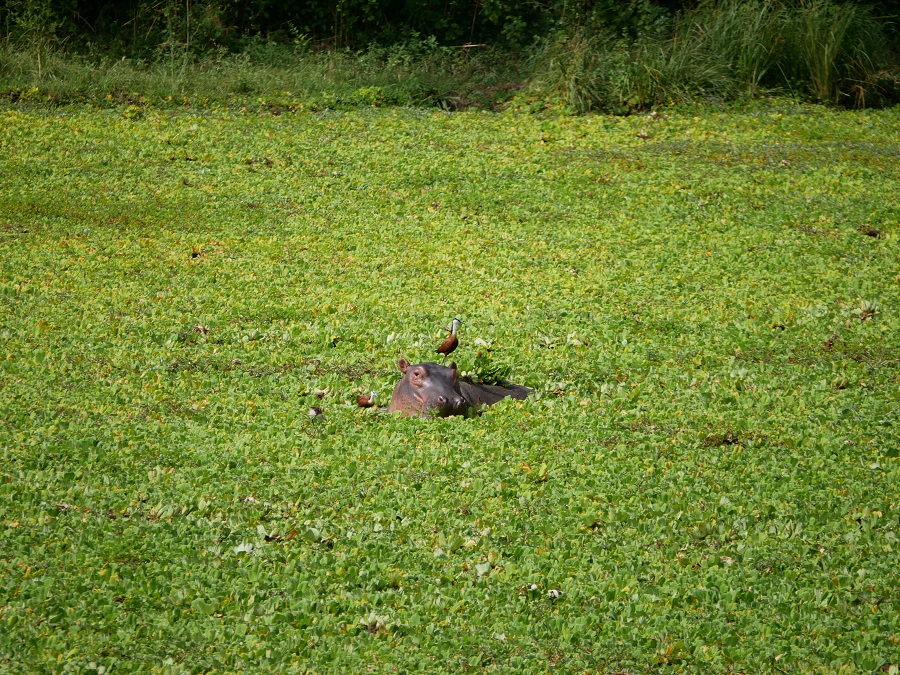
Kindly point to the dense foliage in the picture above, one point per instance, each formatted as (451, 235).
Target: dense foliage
(589, 56)
(139, 25)
(705, 479)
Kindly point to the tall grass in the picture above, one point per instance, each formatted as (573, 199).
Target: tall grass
(743, 38)
(412, 73)
(839, 47)
(723, 50)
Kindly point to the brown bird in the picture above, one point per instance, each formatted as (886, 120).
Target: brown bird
(366, 401)
(451, 343)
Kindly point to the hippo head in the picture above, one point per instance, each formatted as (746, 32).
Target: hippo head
(428, 389)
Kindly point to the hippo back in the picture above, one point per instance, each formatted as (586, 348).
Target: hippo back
(489, 394)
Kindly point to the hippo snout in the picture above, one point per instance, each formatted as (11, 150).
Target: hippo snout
(449, 405)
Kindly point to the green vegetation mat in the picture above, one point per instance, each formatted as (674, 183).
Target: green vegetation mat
(705, 480)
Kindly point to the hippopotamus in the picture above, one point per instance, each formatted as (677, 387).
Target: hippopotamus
(432, 389)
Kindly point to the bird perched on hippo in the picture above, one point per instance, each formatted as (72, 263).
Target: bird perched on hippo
(432, 389)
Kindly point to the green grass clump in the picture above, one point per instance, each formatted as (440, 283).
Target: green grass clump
(724, 50)
(704, 480)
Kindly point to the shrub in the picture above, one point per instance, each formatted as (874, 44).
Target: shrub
(723, 50)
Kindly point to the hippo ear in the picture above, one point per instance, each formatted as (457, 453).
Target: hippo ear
(454, 373)
(403, 365)
(452, 365)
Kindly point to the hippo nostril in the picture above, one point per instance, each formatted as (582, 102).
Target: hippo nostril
(441, 399)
